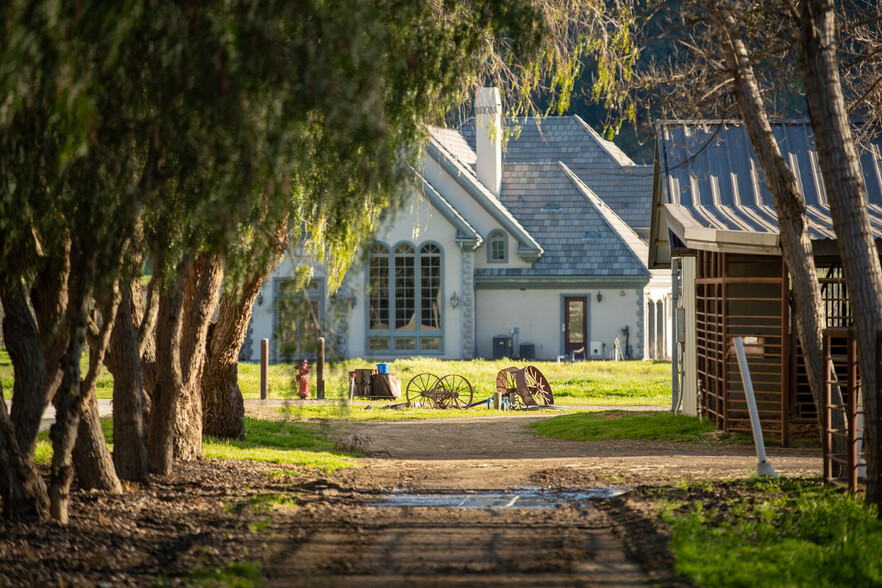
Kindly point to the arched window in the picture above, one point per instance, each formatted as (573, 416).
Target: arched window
(497, 250)
(405, 299)
(430, 287)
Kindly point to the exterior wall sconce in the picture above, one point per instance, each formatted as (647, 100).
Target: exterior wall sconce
(454, 300)
(622, 293)
(599, 297)
(352, 301)
(260, 299)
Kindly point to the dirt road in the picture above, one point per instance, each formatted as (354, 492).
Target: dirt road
(447, 502)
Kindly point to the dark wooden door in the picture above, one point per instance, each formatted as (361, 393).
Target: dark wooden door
(575, 324)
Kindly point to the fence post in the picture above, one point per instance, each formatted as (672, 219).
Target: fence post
(320, 369)
(264, 362)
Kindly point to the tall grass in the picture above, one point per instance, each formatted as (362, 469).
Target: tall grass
(787, 533)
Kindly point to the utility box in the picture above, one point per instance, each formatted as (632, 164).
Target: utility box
(597, 350)
(527, 351)
(502, 347)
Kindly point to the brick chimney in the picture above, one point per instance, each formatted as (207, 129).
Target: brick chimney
(488, 137)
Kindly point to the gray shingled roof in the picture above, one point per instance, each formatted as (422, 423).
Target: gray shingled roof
(712, 179)
(454, 142)
(578, 236)
(528, 246)
(625, 186)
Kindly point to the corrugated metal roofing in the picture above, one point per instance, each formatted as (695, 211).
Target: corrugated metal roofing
(625, 186)
(711, 177)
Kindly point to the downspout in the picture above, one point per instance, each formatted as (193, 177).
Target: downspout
(462, 337)
(675, 367)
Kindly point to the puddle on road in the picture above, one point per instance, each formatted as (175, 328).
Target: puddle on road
(531, 498)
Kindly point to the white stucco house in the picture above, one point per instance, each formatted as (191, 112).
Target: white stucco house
(535, 251)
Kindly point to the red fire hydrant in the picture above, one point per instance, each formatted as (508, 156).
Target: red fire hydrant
(303, 379)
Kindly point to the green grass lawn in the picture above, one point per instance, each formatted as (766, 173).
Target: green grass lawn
(773, 532)
(104, 386)
(585, 382)
(600, 426)
(376, 411)
(269, 441)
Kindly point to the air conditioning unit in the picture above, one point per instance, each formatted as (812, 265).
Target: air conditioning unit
(597, 349)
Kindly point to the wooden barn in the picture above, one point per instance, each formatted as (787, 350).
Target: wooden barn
(714, 225)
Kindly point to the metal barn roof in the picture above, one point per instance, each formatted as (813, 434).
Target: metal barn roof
(710, 191)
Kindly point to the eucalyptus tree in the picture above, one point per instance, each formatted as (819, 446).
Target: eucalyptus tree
(163, 127)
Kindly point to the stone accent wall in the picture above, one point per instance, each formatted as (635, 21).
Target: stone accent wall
(641, 330)
(468, 304)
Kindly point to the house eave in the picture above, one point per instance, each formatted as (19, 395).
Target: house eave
(558, 282)
(709, 239)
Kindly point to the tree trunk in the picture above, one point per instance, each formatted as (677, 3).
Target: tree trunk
(201, 292)
(92, 459)
(168, 381)
(145, 321)
(223, 409)
(847, 194)
(67, 414)
(21, 488)
(129, 397)
(28, 362)
(796, 245)
(49, 299)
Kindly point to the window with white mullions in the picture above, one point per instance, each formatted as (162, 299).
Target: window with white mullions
(298, 315)
(405, 299)
(405, 288)
(497, 248)
(378, 288)
(430, 287)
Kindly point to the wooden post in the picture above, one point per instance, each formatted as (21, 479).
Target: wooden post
(264, 361)
(320, 369)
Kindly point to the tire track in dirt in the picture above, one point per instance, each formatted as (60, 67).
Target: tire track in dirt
(348, 540)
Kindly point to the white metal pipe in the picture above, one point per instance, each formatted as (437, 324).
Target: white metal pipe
(763, 466)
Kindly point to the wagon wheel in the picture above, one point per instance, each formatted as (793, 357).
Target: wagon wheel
(456, 392)
(422, 387)
(507, 386)
(533, 387)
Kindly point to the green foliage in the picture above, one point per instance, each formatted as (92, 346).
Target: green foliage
(600, 426)
(262, 503)
(787, 533)
(243, 574)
